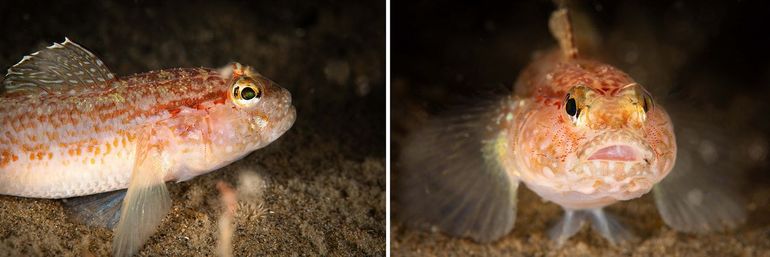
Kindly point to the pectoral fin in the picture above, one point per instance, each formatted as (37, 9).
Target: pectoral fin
(450, 180)
(146, 203)
(698, 196)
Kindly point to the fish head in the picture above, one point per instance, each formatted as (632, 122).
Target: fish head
(596, 146)
(250, 112)
(261, 108)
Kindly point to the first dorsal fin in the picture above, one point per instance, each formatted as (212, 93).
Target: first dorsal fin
(57, 66)
(561, 29)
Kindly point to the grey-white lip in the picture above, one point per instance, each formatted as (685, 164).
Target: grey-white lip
(637, 153)
(287, 121)
(292, 117)
(616, 137)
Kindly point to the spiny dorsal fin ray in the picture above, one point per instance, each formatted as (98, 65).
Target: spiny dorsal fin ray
(58, 66)
(561, 29)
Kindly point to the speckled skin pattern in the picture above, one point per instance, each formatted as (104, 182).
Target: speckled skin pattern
(82, 140)
(551, 151)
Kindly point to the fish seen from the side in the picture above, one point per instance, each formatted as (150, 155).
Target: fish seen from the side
(72, 128)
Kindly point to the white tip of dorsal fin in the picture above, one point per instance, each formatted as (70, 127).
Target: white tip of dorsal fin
(67, 41)
(24, 59)
(61, 45)
(561, 29)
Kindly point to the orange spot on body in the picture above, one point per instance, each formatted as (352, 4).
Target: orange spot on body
(6, 158)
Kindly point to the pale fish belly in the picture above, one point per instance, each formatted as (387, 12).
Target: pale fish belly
(63, 158)
(56, 150)
(63, 175)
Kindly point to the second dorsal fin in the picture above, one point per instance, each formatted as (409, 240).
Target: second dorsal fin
(561, 29)
(57, 66)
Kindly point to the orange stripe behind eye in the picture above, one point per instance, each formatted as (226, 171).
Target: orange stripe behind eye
(174, 111)
(220, 100)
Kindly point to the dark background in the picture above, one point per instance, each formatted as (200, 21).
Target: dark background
(712, 56)
(325, 177)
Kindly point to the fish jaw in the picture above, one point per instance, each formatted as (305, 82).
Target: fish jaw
(585, 181)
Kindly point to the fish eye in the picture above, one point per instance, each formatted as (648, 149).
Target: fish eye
(644, 99)
(246, 92)
(571, 106)
(647, 103)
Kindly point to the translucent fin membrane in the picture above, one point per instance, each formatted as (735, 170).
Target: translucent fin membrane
(147, 200)
(56, 67)
(699, 194)
(450, 179)
(99, 210)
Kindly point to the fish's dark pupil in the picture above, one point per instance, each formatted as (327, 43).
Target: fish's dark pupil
(645, 105)
(571, 107)
(248, 93)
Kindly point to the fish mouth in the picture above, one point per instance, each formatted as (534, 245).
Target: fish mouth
(616, 152)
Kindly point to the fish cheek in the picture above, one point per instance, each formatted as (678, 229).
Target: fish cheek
(542, 140)
(660, 136)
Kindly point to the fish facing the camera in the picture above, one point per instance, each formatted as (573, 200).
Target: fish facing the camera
(72, 128)
(577, 132)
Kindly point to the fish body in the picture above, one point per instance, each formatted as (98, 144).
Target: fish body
(579, 133)
(72, 128)
(82, 139)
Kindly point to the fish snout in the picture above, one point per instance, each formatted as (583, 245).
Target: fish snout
(289, 118)
(283, 114)
(618, 153)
